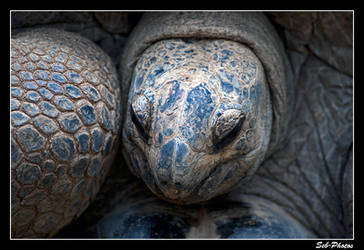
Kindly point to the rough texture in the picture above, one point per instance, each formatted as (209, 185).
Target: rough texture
(304, 178)
(198, 118)
(328, 35)
(141, 215)
(65, 120)
(249, 28)
(309, 177)
(126, 208)
(309, 182)
(99, 27)
(153, 68)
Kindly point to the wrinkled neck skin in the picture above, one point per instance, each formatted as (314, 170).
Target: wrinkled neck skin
(198, 118)
(303, 190)
(143, 215)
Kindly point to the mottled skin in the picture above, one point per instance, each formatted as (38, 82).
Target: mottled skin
(305, 177)
(303, 190)
(65, 121)
(198, 118)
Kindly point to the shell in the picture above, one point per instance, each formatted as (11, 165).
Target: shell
(65, 120)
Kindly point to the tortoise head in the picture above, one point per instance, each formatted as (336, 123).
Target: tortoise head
(198, 118)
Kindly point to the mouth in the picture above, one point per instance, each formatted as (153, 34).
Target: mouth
(221, 178)
(176, 192)
(205, 178)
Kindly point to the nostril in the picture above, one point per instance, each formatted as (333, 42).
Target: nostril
(178, 185)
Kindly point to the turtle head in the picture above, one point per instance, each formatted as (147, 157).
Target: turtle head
(198, 118)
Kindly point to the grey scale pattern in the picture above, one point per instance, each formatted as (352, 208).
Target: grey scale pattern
(65, 118)
(308, 179)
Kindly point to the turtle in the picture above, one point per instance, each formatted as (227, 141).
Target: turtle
(233, 129)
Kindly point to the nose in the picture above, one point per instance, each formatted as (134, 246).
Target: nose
(173, 167)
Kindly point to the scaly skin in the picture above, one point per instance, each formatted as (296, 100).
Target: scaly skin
(65, 118)
(308, 179)
(198, 118)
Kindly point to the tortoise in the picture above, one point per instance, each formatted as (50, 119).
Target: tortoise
(234, 132)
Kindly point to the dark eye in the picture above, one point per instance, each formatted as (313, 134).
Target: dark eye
(140, 115)
(227, 127)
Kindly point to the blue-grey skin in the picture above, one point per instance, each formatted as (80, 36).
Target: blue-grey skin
(198, 118)
(65, 120)
(310, 177)
(138, 213)
(164, 224)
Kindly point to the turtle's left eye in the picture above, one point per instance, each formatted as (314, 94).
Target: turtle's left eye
(140, 115)
(227, 127)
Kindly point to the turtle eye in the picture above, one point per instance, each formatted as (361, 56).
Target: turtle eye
(227, 127)
(140, 115)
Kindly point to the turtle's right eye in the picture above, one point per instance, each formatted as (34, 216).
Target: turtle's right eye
(140, 115)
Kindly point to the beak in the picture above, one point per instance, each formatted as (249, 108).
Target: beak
(172, 172)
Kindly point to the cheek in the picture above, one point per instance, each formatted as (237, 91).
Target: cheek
(254, 129)
(140, 167)
(250, 137)
(224, 178)
(249, 140)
